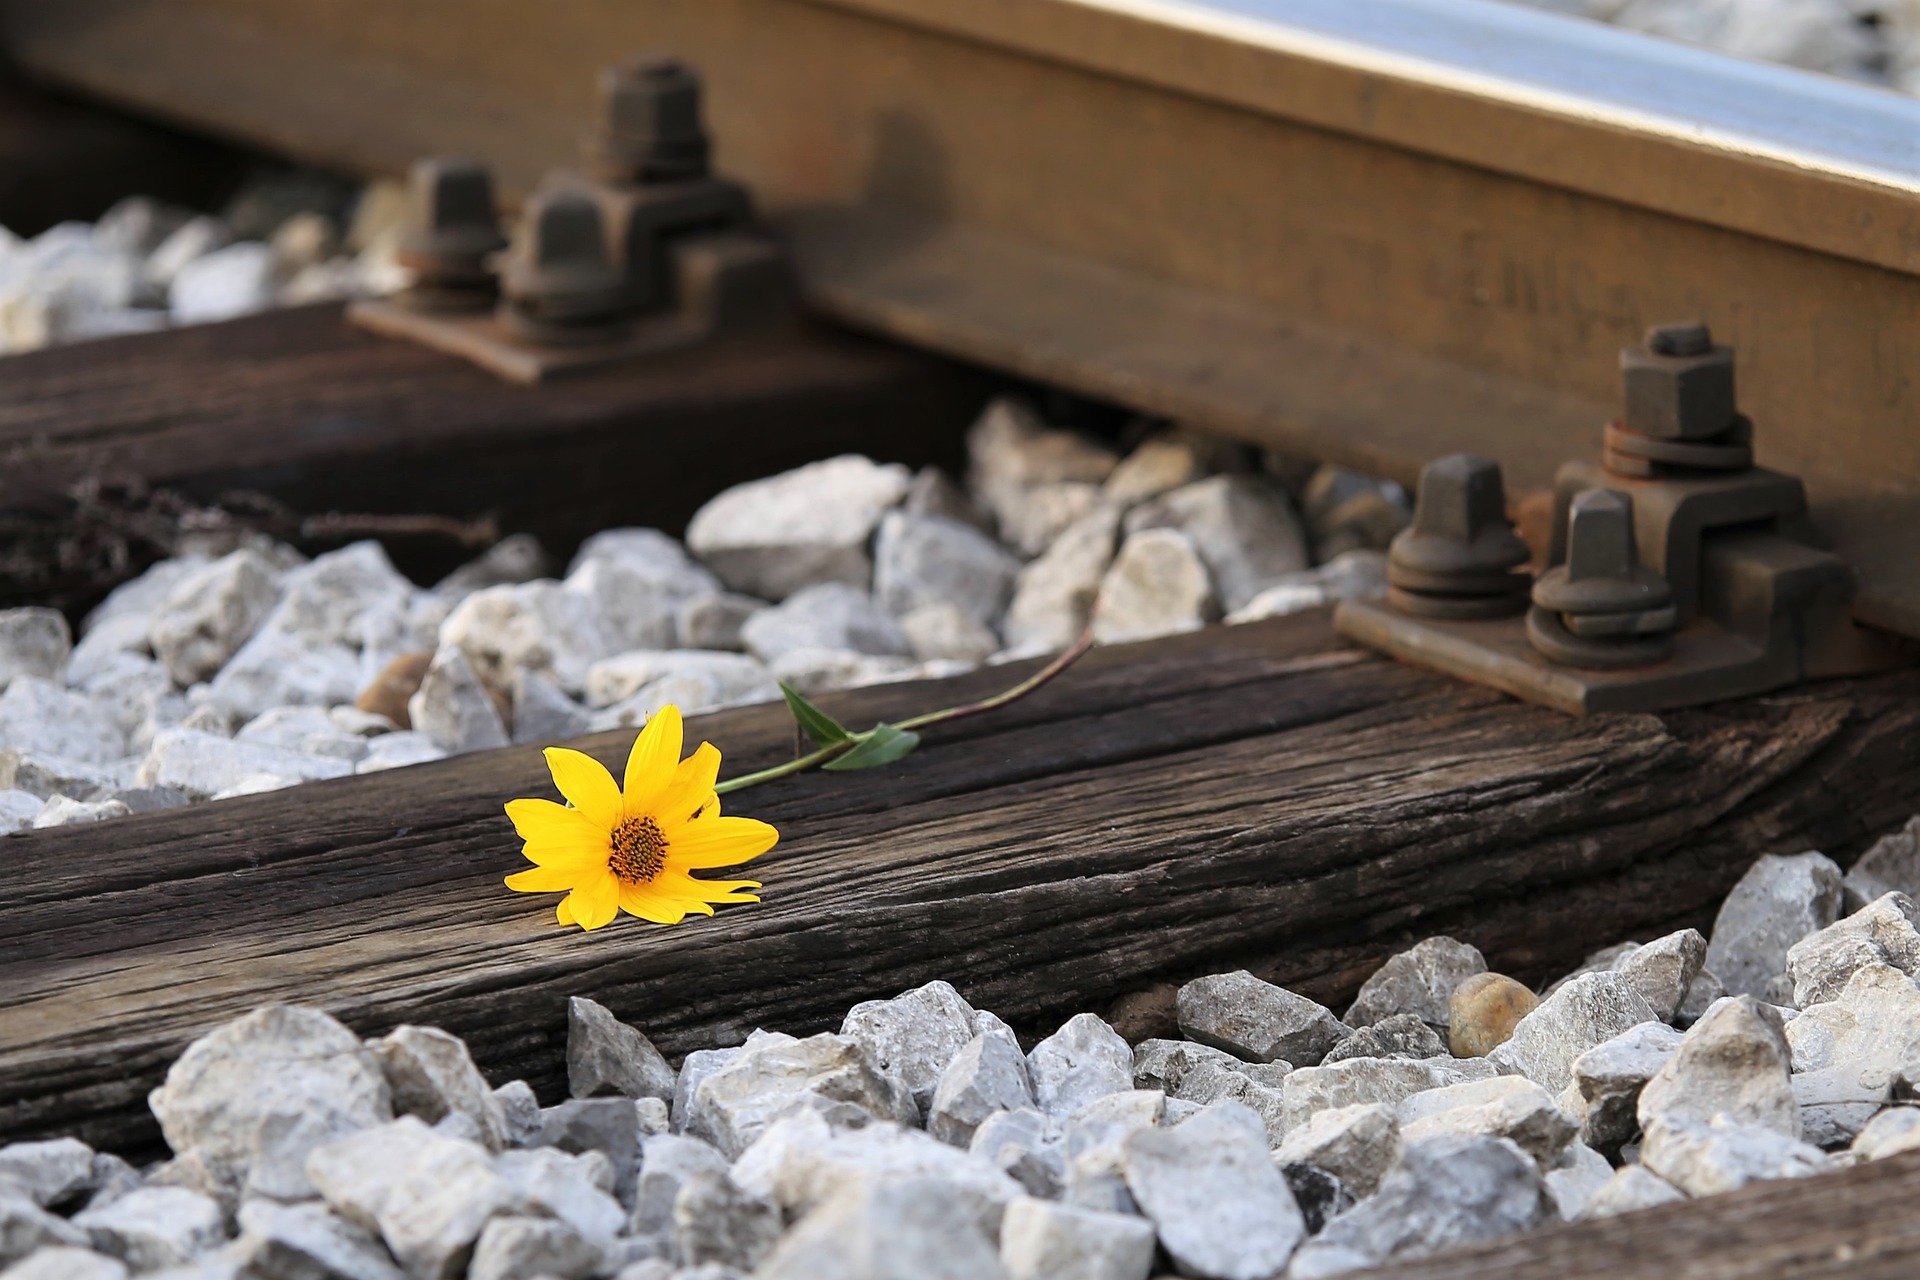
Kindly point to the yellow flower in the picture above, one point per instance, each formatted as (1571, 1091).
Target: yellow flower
(633, 851)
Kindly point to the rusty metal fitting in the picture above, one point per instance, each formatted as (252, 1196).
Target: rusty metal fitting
(558, 284)
(452, 231)
(1602, 608)
(1640, 457)
(1679, 385)
(650, 123)
(1457, 558)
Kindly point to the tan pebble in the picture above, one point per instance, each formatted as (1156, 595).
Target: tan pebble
(1483, 1012)
(388, 694)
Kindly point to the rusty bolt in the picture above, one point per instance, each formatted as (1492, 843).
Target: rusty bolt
(1678, 385)
(452, 230)
(1458, 556)
(651, 128)
(1602, 573)
(558, 281)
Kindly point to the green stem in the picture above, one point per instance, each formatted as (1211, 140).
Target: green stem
(814, 759)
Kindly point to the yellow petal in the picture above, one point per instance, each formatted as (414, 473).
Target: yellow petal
(543, 879)
(638, 901)
(548, 853)
(691, 787)
(595, 902)
(551, 823)
(681, 885)
(586, 782)
(719, 842)
(651, 765)
(563, 912)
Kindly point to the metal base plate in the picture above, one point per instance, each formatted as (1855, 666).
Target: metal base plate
(1708, 662)
(484, 340)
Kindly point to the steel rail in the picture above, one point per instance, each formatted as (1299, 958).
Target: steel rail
(1376, 230)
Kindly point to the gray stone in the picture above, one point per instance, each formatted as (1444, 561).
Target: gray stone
(430, 1074)
(1037, 517)
(1721, 1154)
(1608, 1078)
(65, 811)
(396, 750)
(33, 642)
(1403, 1035)
(1053, 596)
(1419, 981)
(689, 679)
(520, 1110)
(941, 630)
(653, 1115)
(1705, 990)
(608, 1126)
(1012, 453)
(635, 581)
(1505, 1107)
(913, 1036)
(18, 809)
(1360, 1080)
(605, 1055)
(117, 646)
(203, 765)
(577, 1189)
(694, 1068)
(309, 731)
(1779, 901)
(427, 1195)
(1040, 1240)
(140, 597)
(715, 1221)
(828, 616)
(231, 281)
(921, 560)
(1356, 1144)
(1663, 971)
(514, 1248)
(40, 775)
(25, 1226)
(539, 626)
(772, 537)
(51, 1173)
(667, 1163)
(1889, 1133)
(518, 557)
(211, 612)
(155, 1227)
(1591, 1009)
(1580, 1176)
(453, 708)
(543, 713)
(297, 1241)
(1256, 1020)
(1209, 1082)
(1881, 932)
(802, 1160)
(911, 1229)
(1893, 863)
(1164, 1064)
(734, 1105)
(1027, 1145)
(1854, 1053)
(1156, 466)
(1217, 1203)
(1244, 528)
(1085, 1059)
(41, 717)
(1446, 1192)
(1360, 574)
(715, 620)
(254, 1097)
(1734, 1062)
(1631, 1189)
(1157, 586)
(65, 1262)
(988, 1075)
(934, 493)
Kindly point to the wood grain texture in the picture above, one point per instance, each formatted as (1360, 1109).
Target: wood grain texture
(1259, 795)
(1857, 1224)
(302, 407)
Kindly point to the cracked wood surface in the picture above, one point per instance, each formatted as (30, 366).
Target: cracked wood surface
(1261, 795)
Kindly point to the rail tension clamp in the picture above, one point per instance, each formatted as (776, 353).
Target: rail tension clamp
(647, 251)
(1678, 572)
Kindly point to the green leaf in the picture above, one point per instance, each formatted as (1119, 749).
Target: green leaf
(882, 744)
(821, 727)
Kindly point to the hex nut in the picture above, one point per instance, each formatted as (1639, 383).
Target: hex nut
(1687, 395)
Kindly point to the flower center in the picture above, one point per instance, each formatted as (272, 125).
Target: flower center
(639, 851)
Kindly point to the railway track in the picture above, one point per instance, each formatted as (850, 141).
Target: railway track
(1370, 234)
